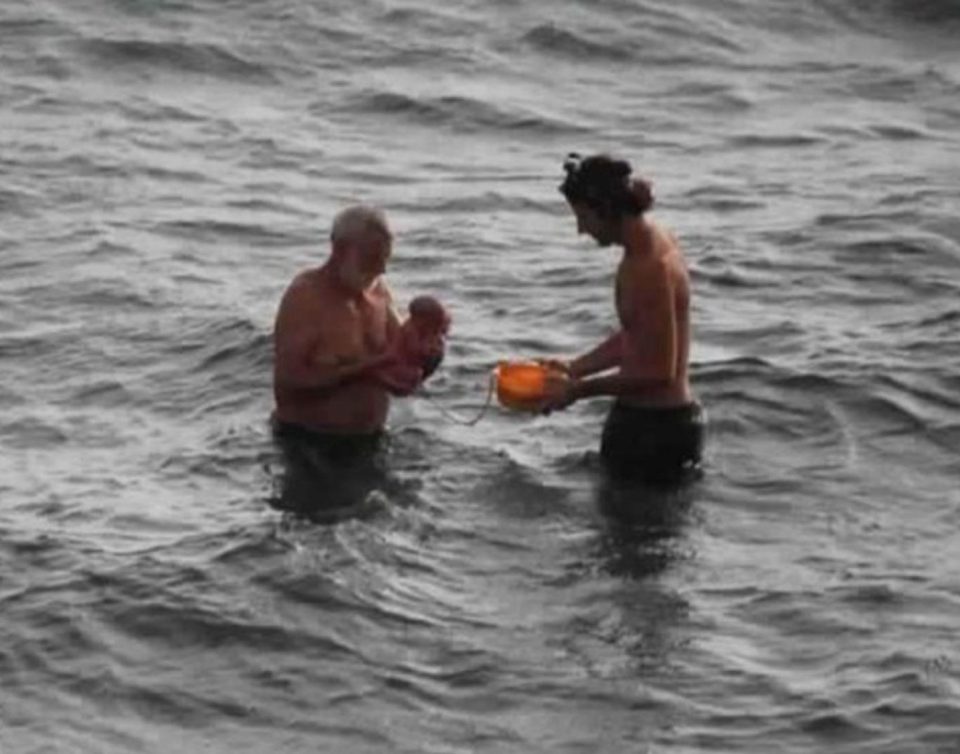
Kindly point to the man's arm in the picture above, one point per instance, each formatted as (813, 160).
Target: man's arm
(605, 356)
(651, 345)
(648, 351)
(616, 385)
(393, 316)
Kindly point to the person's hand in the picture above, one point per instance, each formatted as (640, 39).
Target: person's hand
(399, 378)
(560, 391)
(556, 365)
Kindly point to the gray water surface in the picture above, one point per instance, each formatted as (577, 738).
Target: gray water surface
(166, 167)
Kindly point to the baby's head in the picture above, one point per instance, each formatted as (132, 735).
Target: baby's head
(429, 316)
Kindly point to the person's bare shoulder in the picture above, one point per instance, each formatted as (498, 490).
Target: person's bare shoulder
(655, 276)
(300, 302)
(308, 286)
(662, 235)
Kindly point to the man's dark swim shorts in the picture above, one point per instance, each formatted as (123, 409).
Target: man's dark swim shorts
(657, 445)
(336, 449)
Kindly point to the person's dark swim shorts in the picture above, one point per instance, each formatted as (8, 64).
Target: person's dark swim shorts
(328, 475)
(334, 448)
(657, 445)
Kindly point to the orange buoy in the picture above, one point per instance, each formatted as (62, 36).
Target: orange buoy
(521, 385)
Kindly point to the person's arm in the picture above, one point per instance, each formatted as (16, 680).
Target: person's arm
(394, 321)
(653, 346)
(605, 356)
(615, 385)
(652, 355)
(400, 379)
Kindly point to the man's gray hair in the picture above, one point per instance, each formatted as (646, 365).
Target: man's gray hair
(358, 221)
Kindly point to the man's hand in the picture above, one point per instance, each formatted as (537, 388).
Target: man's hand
(339, 371)
(399, 378)
(559, 392)
(557, 365)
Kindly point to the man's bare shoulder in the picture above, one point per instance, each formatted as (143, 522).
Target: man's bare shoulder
(302, 304)
(668, 256)
(306, 288)
(305, 281)
(651, 270)
(663, 236)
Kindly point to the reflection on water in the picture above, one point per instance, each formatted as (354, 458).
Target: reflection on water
(641, 524)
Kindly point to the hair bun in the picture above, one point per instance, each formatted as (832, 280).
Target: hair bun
(642, 191)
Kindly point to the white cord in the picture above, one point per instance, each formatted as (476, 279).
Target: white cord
(456, 418)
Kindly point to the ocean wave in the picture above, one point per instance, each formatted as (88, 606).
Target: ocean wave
(934, 12)
(175, 57)
(553, 39)
(227, 344)
(98, 294)
(519, 493)
(104, 392)
(775, 140)
(32, 433)
(894, 250)
(460, 113)
(894, 132)
(172, 620)
(211, 230)
(25, 26)
(893, 82)
(472, 203)
(28, 346)
(18, 202)
(713, 97)
(876, 15)
(821, 422)
(731, 276)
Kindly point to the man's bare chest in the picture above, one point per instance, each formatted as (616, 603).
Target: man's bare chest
(356, 328)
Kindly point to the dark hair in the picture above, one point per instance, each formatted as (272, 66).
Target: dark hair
(604, 184)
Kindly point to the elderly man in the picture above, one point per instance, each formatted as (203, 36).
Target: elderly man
(334, 332)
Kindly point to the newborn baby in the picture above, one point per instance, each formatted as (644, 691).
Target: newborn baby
(418, 348)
